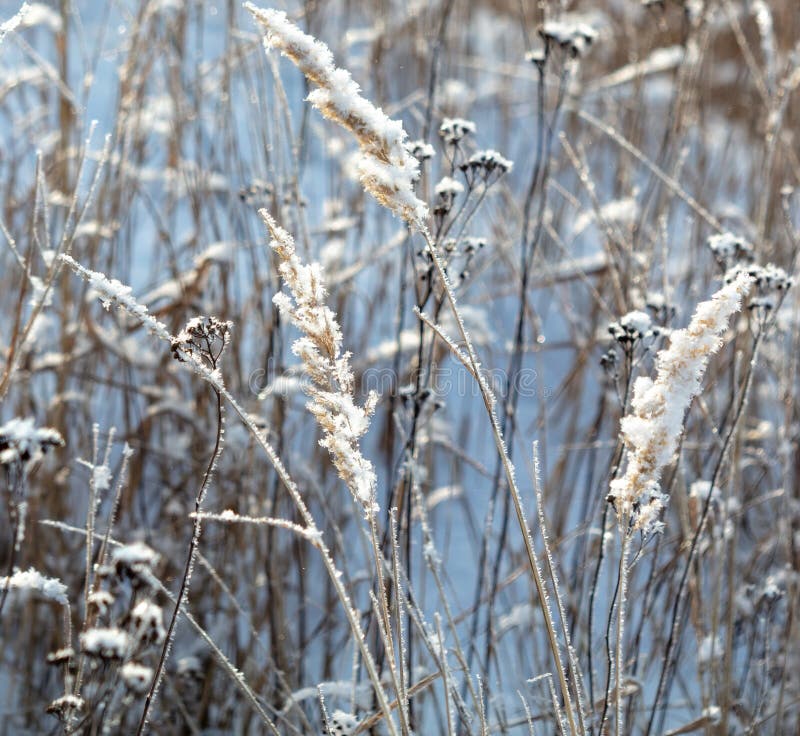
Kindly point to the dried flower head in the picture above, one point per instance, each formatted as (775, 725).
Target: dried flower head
(60, 656)
(420, 150)
(485, 163)
(446, 191)
(730, 249)
(101, 601)
(452, 130)
(105, 643)
(22, 443)
(203, 338)
(331, 389)
(65, 704)
(342, 724)
(147, 620)
(136, 677)
(133, 562)
(771, 285)
(630, 327)
(575, 36)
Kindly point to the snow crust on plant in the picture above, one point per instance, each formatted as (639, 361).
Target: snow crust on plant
(651, 431)
(106, 643)
(32, 581)
(22, 441)
(331, 389)
(386, 168)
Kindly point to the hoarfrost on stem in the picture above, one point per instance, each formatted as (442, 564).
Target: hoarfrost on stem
(32, 581)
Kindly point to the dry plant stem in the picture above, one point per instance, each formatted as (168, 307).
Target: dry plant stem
(528, 247)
(228, 668)
(12, 557)
(330, 567)
(89, 617)
(433, 564)
(619, 652)
(471, 360)
(188, 567)
(665, 178)
(404, 666)
(615, 467)
(551, 570)
(433, 73)
(64, 246)
(215, 381)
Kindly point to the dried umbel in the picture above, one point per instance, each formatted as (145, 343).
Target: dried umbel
(452, 130)
(730, 249)
(60, 707)
(386, 169)
(147, 622)
(630, 327)
(483, 164)
(132, 562)
(203, 338)
(136, 677)
(341, 724)
(331, 389)
(770, 282)
(569, 33)
(22, 443)
(107, 643)
(651, 431)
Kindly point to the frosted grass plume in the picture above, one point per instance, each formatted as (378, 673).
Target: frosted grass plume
(332, 384)
(386, 169)
(652, 429)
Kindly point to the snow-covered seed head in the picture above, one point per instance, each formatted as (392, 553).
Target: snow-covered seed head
(730, 249)
(133, 562)
(101, 601)
(341, 724)
(136, 677)
(147, 622)
(420, 150)
(574, 36)
(484, 163)
(446, 191)
(771, 284)
(473, 244)
(537, 56)
(22, 443)
(386, 169)
(60, 656)
(32, 582)
(452, 130)
(190, 667)
(630, 327)
(105, 643)
(331, 388)
(204, 339)
(652, 428)
(65, 704)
